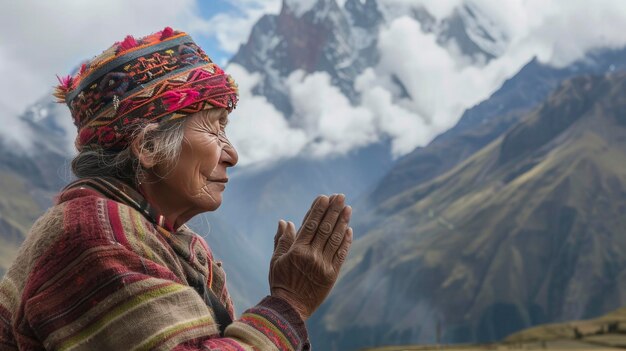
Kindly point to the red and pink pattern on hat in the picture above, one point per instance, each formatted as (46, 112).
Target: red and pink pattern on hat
(158, 78)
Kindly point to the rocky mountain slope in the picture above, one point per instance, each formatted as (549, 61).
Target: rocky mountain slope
(29, 177)
(18, 210)
(483, 123)
(528, 230)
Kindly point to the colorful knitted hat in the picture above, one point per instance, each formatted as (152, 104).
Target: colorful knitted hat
(160, 77)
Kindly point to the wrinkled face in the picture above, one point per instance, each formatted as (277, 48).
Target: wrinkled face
(199, 178)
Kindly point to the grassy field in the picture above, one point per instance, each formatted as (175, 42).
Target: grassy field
(604, 333)
(564, 344)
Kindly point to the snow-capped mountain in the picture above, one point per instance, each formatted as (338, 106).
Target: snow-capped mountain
(322, 36)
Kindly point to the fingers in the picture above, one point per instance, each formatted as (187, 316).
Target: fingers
(286, 239)
(342, 253)
(339, 231)
(336, 206)
(308, 212)
(306, 216)
(314, 218)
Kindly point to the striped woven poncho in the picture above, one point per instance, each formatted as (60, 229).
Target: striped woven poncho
(97, 274)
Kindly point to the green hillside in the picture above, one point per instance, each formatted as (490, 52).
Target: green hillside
(18, 211)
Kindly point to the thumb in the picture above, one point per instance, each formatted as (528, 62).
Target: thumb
(286, 240)
(279, 232)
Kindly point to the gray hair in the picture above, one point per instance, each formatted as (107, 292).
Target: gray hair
(163, 142)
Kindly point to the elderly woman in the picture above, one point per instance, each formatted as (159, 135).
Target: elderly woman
(112, 266)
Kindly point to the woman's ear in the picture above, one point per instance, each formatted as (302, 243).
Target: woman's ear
(141, 147)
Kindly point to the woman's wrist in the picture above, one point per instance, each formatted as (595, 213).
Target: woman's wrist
(289, 298)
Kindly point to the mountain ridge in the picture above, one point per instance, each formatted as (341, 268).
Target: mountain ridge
(468, 247)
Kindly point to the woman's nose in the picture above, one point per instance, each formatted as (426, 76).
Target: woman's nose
(230, 155)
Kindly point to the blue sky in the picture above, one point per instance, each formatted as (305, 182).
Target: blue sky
(227, 24)
(210, 44)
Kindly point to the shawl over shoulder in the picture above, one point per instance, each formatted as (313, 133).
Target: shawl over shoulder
(97, 274)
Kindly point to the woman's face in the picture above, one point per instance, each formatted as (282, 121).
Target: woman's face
(199, 178)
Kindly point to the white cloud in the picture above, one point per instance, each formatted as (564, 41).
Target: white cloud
(258, 131)
(15, 93)
(442, 84)
(300, 7)
(423, 66)
(439, 9)
(324, 122)
(405, 128)
(558, 31)
(331, 123)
